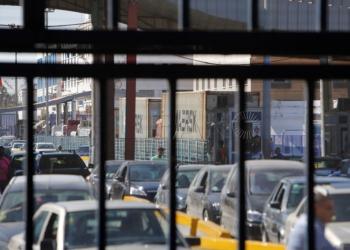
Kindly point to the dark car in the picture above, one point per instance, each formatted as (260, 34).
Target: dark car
(61, 163)
(111, 167)
(343, 169)
(184, 176)
(284, 199)
(261, 179)
(203, 199)
(47, 188)
(138, 178)
(18, 161)
(325, 165)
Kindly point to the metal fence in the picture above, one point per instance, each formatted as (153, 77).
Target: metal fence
(67, 142)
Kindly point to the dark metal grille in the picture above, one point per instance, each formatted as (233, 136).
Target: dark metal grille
(183, 42)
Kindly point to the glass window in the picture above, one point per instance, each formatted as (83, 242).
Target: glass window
(38, 224)
(147, 172)
(218, 180)
(184, 178)
(296, 195)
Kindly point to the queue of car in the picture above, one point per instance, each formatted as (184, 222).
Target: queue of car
(274, 190)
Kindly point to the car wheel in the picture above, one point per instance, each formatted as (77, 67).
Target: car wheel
(265, 238)
(205, 215)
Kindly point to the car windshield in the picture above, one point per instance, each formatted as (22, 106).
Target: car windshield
(43, 146)
(341, 207)
(217, 180)
(12, 207)
(123, 226)
(83, 150)
(62, 161)
(296, 195)
(264, 181)
(184, 178)
(147, 172)
(327, 164)
(18, 145)
(111, 170)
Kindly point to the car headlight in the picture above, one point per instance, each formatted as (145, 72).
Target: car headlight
(254, 216)
(344, 247)
(216, 206)
(137, 191)
(181, 202)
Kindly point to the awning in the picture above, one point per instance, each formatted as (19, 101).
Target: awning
(38, 123)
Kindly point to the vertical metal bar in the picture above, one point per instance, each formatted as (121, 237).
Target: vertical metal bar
(241, 169)
(172, 165)
(33, 14)
(183, 14)
(103, 156)
(253, 15)
(310, 163)
(323, 17)
(30, 170)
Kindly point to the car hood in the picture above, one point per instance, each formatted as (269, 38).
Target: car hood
(323, 172)
(256, 202)
(338, 233)
(146, 185)
(9, 229)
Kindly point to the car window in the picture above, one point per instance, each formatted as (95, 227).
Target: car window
(279, 196)
(51, 228)
(232, 183)
(184, 178)
(38, 223)
(147, 172)
(296, 194)
(264, 181)
(218, 180)
(199, 178)
(328, 164)
(111, 169)
(45, 146)
(341, 207)
(14, 202)
(123, 226)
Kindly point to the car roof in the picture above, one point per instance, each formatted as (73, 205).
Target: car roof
(110, 162)
(274, 164)
(50, 182)
(190, 167)
(75, 206)
(336, 188)
(147, 162)
(318, 179)
(218, 167)
(23, 153)
(57, 153)
(44, 143)
(324, 158)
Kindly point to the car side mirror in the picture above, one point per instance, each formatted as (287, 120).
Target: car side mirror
(48, 244)
(90, 166)
(200, 189)
(120, 178)
(231, 194)
(165, 186)
(275, 204)
(193, 241)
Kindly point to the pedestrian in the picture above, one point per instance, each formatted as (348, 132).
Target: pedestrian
(4, 168)
(159, 156)
(278, 154)
(59, 148)
(323, 207)
(221, 154)
(255, 148)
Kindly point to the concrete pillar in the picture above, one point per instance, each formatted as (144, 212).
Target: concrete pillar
(58, 113)
(65, 118)
(74, 113)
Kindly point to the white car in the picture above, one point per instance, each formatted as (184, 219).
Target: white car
(336, 232)
(73, 225)
(44, 147)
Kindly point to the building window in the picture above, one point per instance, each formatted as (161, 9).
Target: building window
(281, 84)
(202, 84)
(224, 83)
(149, 93)
(208, 83)
(230, 83)
(197, 83)
(215, 83)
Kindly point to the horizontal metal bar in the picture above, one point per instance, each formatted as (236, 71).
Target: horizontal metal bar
(160, 42)
(176, 71)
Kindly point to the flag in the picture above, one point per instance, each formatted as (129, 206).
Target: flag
(0, 82)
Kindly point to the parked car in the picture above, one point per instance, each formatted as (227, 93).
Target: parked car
(184, 177)
(203, 199)
(343, 169)
(111, 167)
(138, 178)
(61, 163)
(337, 231)
(17, 147)
(47, 188)
(324, 165)
(284, 199)
(261, 179)
(44, 147)
(74, 225)
(18, 161)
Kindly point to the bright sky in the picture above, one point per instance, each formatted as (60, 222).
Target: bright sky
(13, 15)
